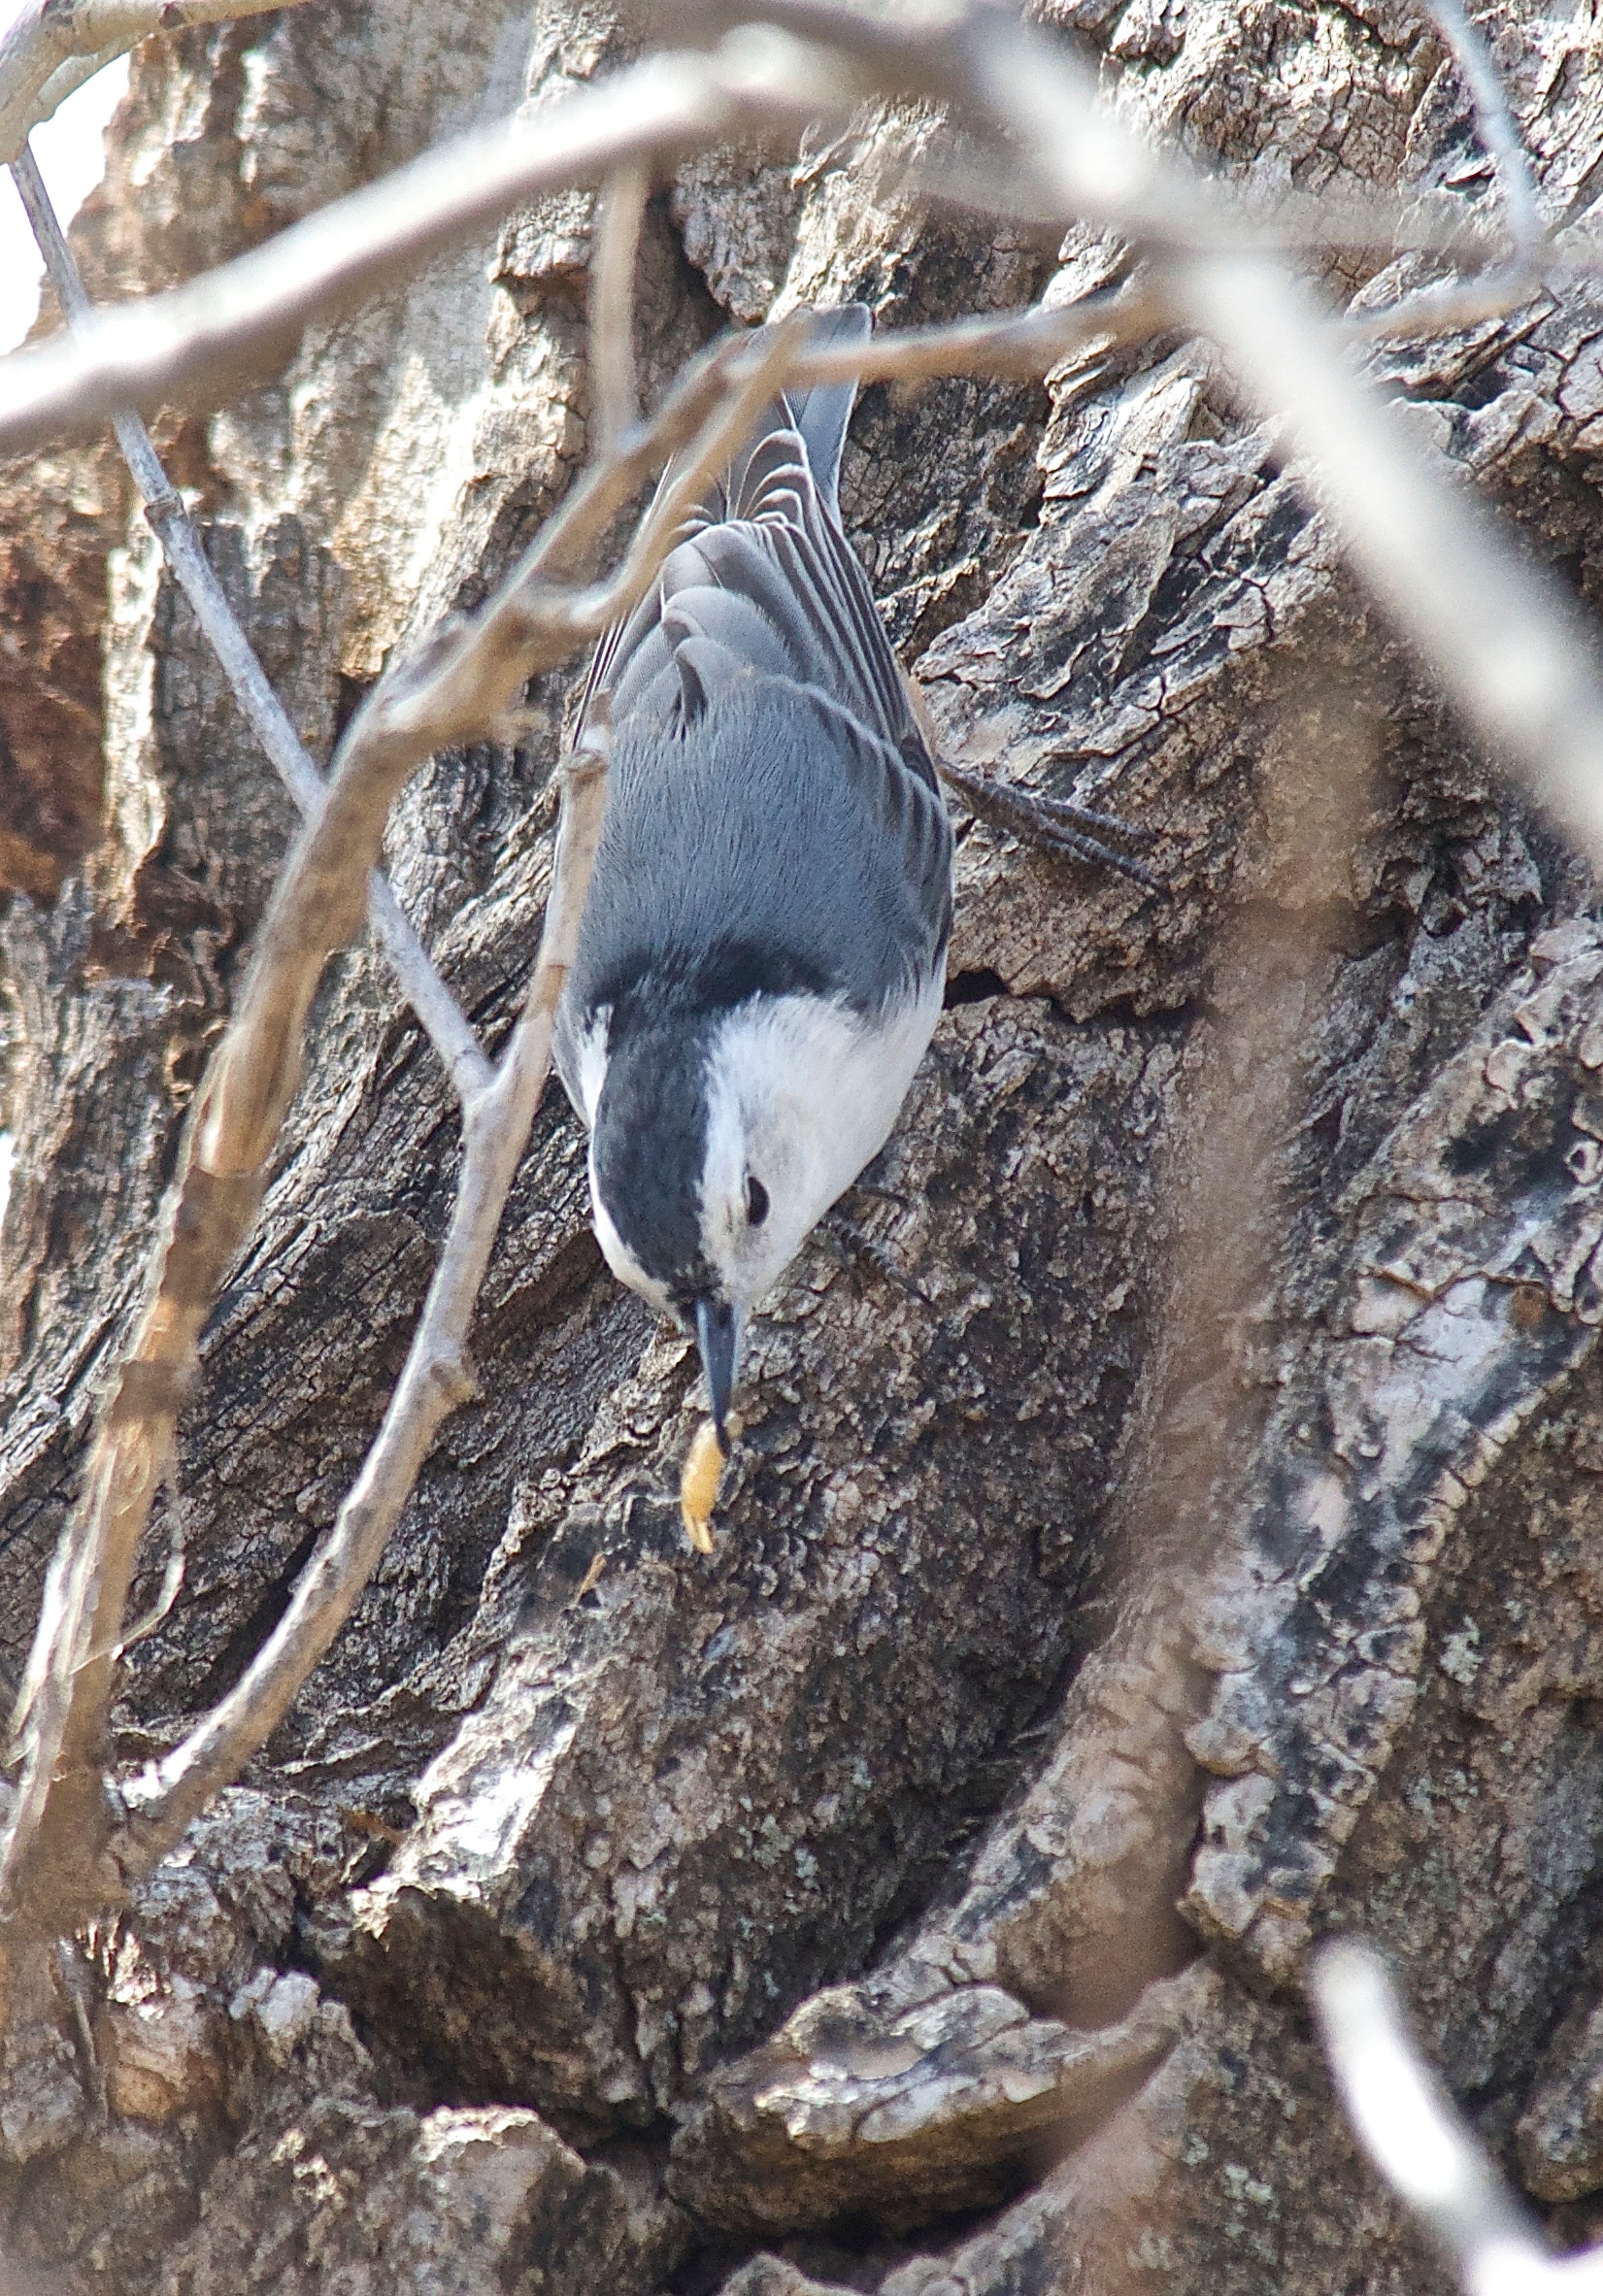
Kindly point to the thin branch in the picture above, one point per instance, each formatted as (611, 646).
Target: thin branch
(1451, 309)
(57, 1863)
(1497, 128)
(171, 1580)
(66, 79)
(1030, 342)
(741, 379)
(238, 324)
(1294, 222)
(756, 369)
(1416, 2137)
(53, 46)
(616, 248)
(438, 1013)
(1024, 343)
(1503, 640)
(435, 1379)
(1021, 343)
(536, 620)
(1509, 647)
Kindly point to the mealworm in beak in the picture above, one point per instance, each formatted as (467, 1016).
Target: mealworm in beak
(698, 1487)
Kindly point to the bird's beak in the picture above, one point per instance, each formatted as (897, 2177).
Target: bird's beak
(719, 1329)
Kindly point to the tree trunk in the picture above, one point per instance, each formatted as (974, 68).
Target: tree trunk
(1166, 1525)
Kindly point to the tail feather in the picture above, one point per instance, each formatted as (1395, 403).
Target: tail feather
(822, 411)
(818, 414)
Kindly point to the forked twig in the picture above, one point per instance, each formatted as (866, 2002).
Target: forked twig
(236, 324)
(435, 1379)
(1505, 646)
(529, 622)
(61, 1859)
(50, 46)
(1509, 647)
(1456, 305)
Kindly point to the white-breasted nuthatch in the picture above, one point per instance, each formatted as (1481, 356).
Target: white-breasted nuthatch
(762, 957)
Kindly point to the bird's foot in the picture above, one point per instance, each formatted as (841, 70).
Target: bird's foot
(870, 1181)
(1054, 823)
(850, 1242)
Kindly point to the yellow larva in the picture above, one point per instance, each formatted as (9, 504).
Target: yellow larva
(698, 1487)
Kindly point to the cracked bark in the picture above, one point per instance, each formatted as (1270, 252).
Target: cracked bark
(1216, 1532)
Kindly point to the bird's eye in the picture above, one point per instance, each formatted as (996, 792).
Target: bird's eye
(756, 1200)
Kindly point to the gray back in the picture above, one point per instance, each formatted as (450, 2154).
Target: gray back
(772, 820)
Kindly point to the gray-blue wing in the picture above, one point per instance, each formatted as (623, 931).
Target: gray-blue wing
(773, 843)
(768, 535)
(770, 792)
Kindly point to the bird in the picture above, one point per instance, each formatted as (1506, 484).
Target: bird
(762, 961)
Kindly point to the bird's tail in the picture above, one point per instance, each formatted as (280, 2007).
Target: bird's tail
(821, 412)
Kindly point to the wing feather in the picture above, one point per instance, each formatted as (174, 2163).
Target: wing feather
(768, 531)
(798, 823)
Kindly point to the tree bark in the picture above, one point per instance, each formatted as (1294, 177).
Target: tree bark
(1165, 1524)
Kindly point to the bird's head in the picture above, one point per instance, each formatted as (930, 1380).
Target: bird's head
(709, 1161)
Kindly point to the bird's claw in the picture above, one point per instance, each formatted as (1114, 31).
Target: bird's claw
(848, 1240)
(1054, 823)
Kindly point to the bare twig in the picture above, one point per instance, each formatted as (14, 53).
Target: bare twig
(1294, 222)
(436, 1378)
(1456, 305)
(1503, 640)
(614, 249)
(50, 46)
(1510, 648)
(59, 1860)
(172, 1581)
(436, 1009)
(1452, 308)
(1497, 128)
(239, 322)
(1022, 343)
(236, 323)
(1029, 343)
(244, 318)
(1415, 2137)
(1507, 644)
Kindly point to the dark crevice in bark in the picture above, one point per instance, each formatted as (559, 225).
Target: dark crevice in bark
(974, 988)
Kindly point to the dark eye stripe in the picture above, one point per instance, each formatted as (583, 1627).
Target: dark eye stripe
(756, 1200)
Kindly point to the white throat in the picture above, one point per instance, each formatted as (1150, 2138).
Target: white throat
(803, 1092)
